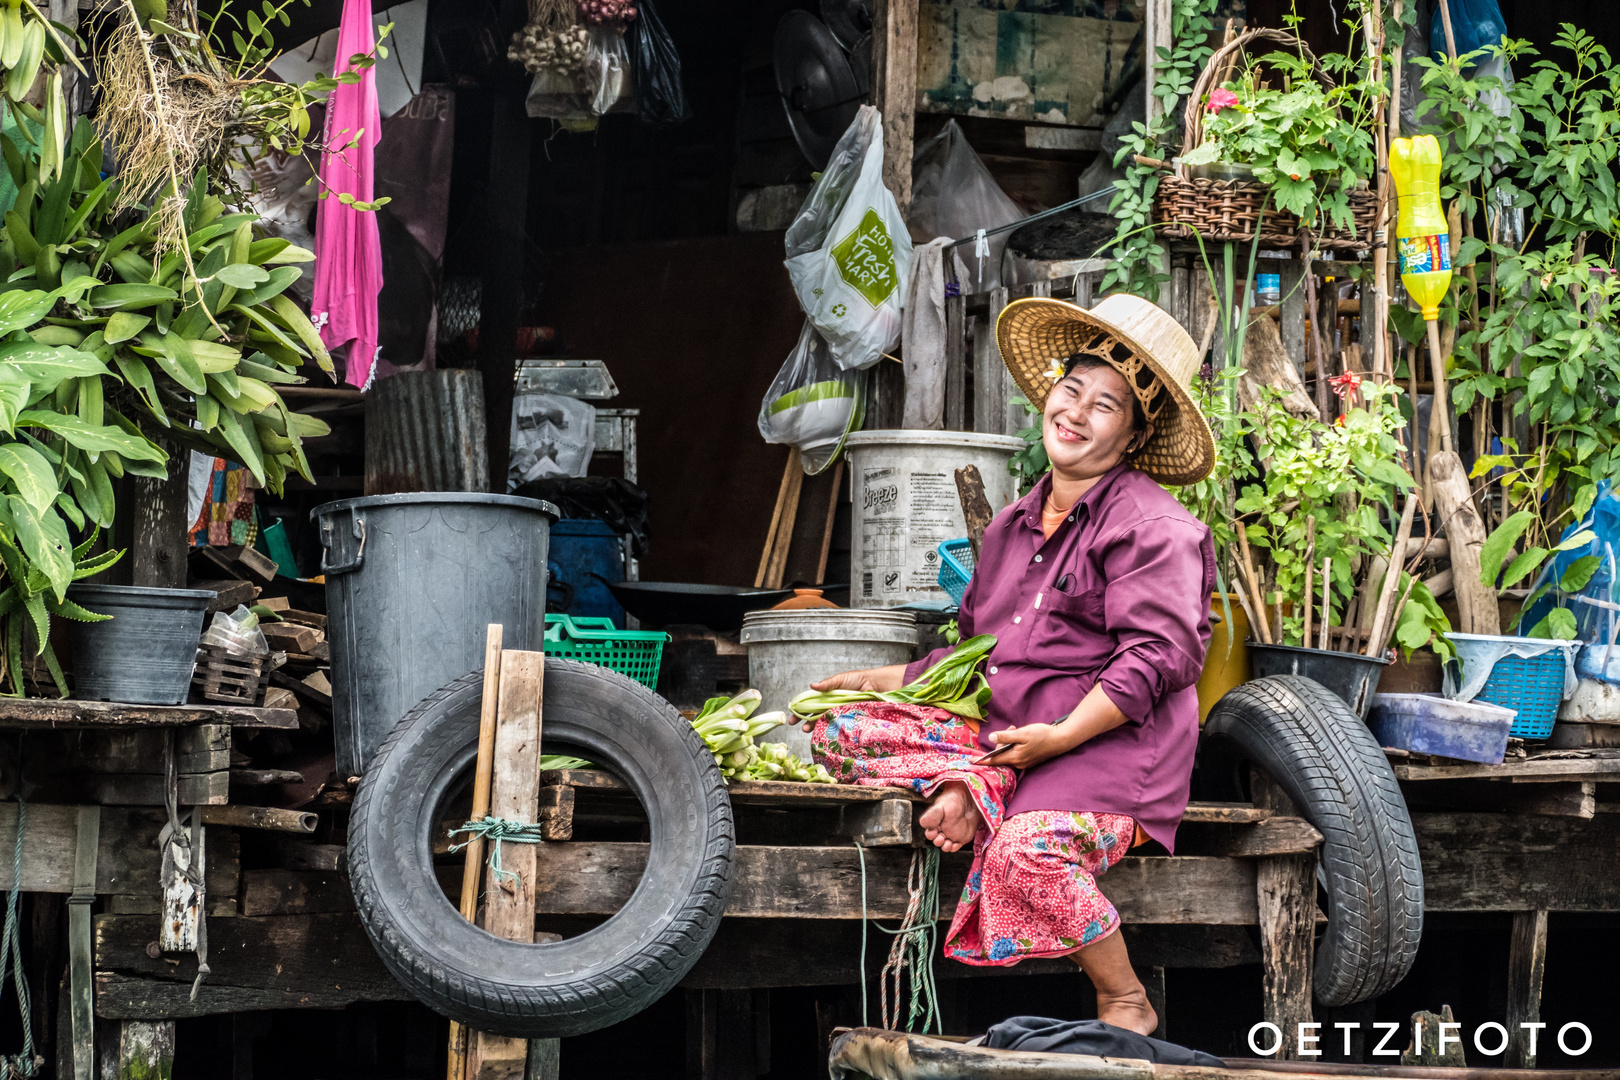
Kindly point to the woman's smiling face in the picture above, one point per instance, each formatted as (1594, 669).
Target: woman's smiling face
(1088, 426)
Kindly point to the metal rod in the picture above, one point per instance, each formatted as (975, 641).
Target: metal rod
(1070, 205)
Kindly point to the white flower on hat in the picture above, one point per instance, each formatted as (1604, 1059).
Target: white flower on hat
(1055, 372)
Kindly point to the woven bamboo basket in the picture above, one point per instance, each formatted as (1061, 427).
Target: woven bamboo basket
(1231, 209)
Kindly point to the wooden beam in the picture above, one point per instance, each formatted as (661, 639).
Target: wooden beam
(509, 896)
(880, 824)
(1286, 887)
(295, 892)
(1277, 836)
(1527, 963)
(1576, 799)
(30, 713)
(825, 883)
(1504, 862)
(894, 90)
(284, 962)
(127, 859)
(1525, 771)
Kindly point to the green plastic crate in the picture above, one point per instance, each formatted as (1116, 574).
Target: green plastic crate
(633, 653)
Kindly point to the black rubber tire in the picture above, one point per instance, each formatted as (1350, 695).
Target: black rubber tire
(581, 983)
(1320, 752)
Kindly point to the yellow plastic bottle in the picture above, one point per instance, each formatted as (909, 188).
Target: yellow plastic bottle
(1422, 236)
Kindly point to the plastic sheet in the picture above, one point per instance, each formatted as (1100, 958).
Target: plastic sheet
(953, 194)
(607, 70)
(660, 97)
(1477, 654)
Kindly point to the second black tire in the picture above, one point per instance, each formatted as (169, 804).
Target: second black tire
(1322, 754)
(582, 983)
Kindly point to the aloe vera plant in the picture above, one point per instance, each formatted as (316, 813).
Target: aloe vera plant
(116, 341)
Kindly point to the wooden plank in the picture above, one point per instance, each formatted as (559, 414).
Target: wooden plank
(144, 1050)
(1223, 813)
(1522, 771)
(1577, 735)
(1292, 325)
(1286, 887)
(1527, 963)
(127, 860)
(717, 1024)
(295, 892)
(1504, 862)
(755, 953)
(283, 962)
(992, 386)
(31, 713)
(1276, 836)
(509, 898)
(146, 789)
(1158, 35)
(299, 854)
(955, 363)
(881, 824)
(1576, 799)
(556, 812)
(894, 90)
(825, 883)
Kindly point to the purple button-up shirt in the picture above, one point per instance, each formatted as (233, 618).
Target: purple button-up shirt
(1118, 596)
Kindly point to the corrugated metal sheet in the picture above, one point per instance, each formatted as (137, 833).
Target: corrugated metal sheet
(425, 431)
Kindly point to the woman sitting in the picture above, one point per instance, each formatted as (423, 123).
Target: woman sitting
(1096, 586)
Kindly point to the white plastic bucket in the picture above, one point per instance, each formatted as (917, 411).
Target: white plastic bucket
(789, 650)
(903, 484)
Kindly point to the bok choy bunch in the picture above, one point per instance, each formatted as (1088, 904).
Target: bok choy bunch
(729, 728)
(955, 684)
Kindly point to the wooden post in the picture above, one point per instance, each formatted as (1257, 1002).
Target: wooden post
(157, 546)
(473, 864)
(1285, 886)
(1157, 32)
(514, 796)
(718, 1026)
(1153, 982)
(1527, 962)
(1292, 323)
(992, 386)
(894, 90)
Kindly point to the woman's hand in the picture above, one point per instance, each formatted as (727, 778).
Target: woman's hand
(867, 681)
(1031, 745)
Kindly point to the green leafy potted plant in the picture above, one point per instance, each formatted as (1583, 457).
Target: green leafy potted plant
(132, 319)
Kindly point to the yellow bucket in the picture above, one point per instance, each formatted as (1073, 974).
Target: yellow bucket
(1227, 664)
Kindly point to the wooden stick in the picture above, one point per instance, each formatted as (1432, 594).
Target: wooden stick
(1308, 593)
(1253, 581)
(473, 865)
(1276, 600)
(832, 515)
(1392, 576)
(1327, 599)
(776, 568)
(1441, 408)
(776, 514)
(1395, 618)
(1445, 24)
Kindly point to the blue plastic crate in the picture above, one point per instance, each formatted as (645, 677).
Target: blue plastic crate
(1532, 687)
(955, 567)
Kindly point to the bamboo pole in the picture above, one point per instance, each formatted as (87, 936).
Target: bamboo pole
(1308, 592)
(1253, 581)
(1445, 24)
(473, 865)
(1392, 576)
(1327, 599)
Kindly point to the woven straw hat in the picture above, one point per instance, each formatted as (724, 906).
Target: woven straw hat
(1143, 343)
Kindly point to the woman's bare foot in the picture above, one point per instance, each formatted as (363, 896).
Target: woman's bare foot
(1131, 1011)
(951, 820)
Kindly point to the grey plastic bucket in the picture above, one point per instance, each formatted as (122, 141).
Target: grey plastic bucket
(146, 653)
(788, 650)
(412, 582)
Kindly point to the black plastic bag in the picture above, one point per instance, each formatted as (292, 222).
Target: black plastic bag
(660, 97)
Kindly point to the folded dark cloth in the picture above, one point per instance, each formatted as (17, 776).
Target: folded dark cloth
(1039, 1034)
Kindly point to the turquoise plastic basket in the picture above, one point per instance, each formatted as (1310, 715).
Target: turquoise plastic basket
(634, 653)
(1532, 687)
(955, 567)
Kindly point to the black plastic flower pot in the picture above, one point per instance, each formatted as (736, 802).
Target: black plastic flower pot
(1351, 676)
(145, 654)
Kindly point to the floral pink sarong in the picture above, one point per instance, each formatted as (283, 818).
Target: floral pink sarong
(1033, 887)
(878, 744)
(1032, 890)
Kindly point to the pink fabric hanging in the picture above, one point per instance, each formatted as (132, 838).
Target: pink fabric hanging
(348, 267)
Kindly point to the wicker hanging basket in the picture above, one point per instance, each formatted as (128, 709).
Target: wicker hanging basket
(1230, 209)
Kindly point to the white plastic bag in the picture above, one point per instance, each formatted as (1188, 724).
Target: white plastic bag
(812, 404)
(552, 437)
(237, 633)
(851, 281)
(563, 98)
(607, 70)
(953, 194)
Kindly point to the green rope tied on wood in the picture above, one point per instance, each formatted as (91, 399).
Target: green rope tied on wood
(23, 1065)
(496, 830)
(916, 942)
